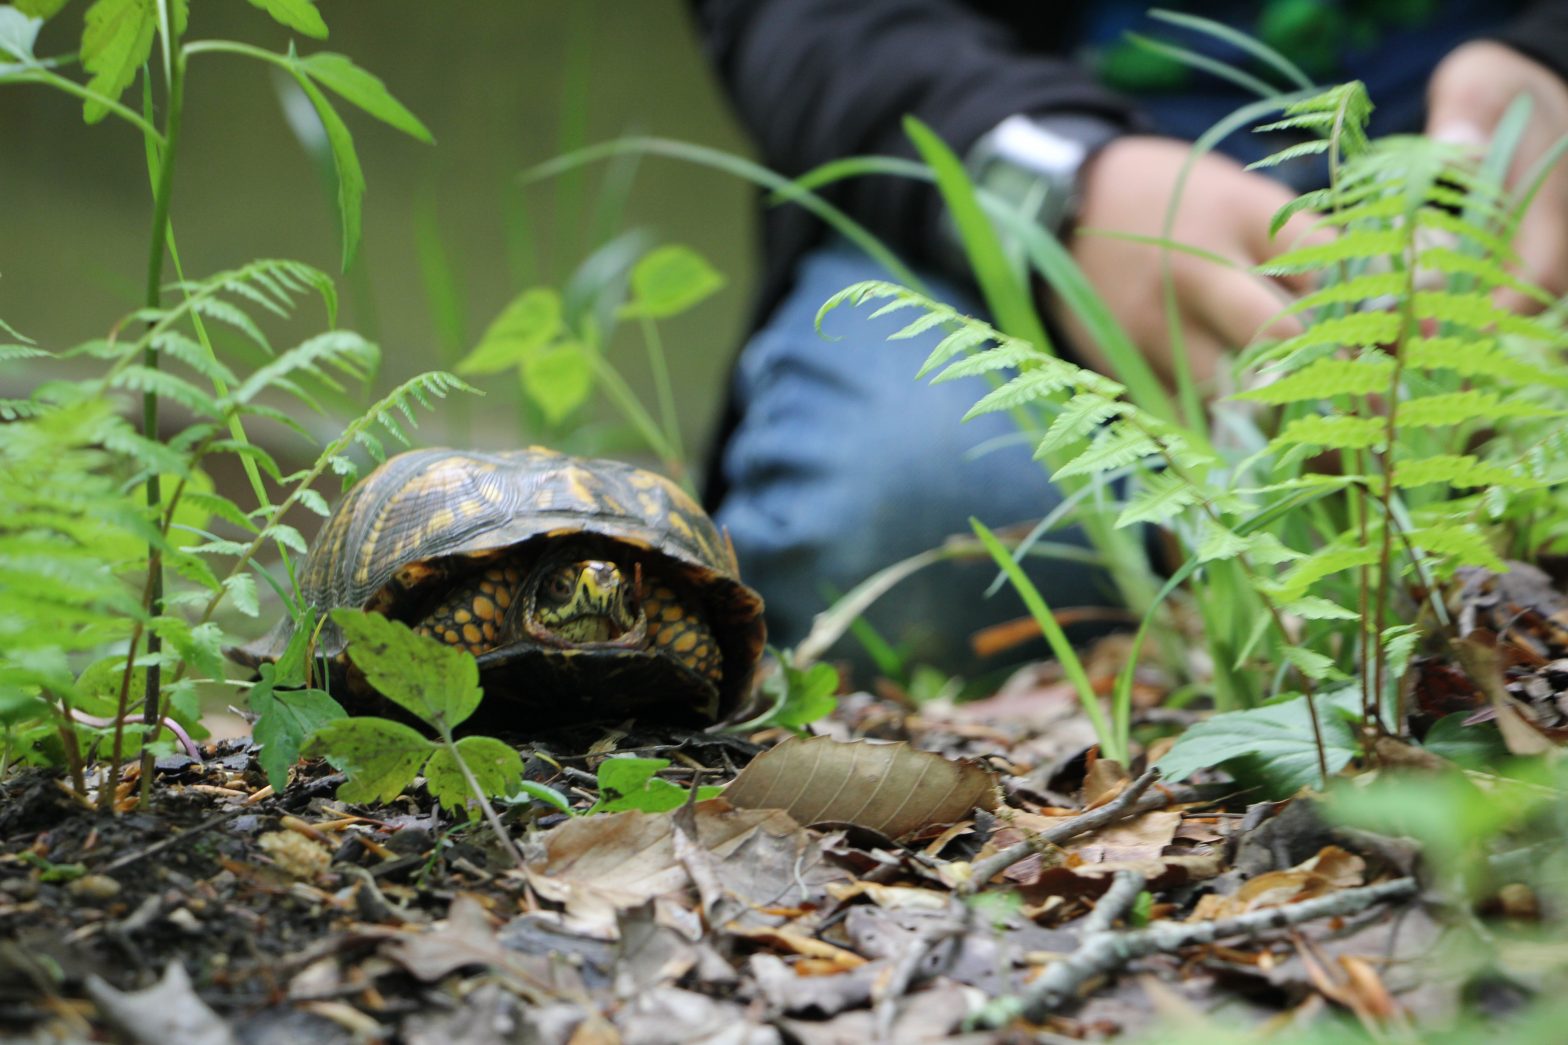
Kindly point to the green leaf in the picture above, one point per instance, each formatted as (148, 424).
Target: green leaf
(1274, 741)
(558, 378)
(43, 10)
(1476, 745)
(1338, 432)
(117, 39)
(284, 720)
(1160, 498)
(17, 35)
(18, 706)
(379, 756)
(360, 88)
(436, 682)
(669, 280)
(629, 783)
(299, 15)
(799, 696)
(532, 790)
(530, 321)
(351, 180)
(497, 768)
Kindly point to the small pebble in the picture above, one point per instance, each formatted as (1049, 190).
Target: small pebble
(21, 889)
(94, 887)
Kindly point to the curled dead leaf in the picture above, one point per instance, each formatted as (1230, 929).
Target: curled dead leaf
(892, 788)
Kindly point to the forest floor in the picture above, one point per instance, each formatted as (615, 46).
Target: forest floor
(982, 878)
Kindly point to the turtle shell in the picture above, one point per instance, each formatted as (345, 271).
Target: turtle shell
(426, 518)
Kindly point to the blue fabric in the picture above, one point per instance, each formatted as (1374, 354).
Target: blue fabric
(843, 463)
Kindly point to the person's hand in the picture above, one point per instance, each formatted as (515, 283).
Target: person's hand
(1224, 210)
(1469, 92)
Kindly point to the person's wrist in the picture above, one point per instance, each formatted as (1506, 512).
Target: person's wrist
(1035, 165)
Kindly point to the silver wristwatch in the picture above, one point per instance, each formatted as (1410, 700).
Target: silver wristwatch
(1034, 163)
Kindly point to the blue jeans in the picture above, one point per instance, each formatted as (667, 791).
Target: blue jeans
(843, 463)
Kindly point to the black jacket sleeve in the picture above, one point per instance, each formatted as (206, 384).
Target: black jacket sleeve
(816, 80)
(1540, 32)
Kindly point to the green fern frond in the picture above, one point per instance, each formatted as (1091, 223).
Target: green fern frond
(1028, 387)
(1477, 358)
(1461, 471)
(342, 350)
(1478, 312)
(1368, 286)
(961, 341)
(1111, 449)
(1353, 245)
(1334, 432)
(164, 385)
(171, 344)
(13, 353)
(1484, 269)
(1462, 543)
(1081, 414)
(1300, 149)
(1299, 579)
(1012, 354)
(1455, 408)
(1163, 495)
(1369, 374)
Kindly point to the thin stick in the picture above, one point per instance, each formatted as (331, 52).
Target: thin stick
(1122, 805)
(1117, 901)
(1105, 952)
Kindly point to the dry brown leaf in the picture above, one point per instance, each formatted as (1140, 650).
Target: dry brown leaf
(891, 788)
(599, 865)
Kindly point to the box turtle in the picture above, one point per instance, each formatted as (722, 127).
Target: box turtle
(582, 586)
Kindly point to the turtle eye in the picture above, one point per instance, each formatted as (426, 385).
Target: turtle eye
(559, 586)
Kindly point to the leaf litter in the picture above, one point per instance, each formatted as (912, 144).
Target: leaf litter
(973, 873)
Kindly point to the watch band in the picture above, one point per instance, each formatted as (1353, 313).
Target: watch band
(1034, 162)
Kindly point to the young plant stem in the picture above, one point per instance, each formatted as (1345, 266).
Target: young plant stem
(626, 401)
(174, 99)
(73, 750)
(498, 828)
(661, 383)
(1372, 718)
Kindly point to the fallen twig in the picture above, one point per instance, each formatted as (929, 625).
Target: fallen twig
(1117, 901)
(1122, 805)
(1106, 951)
(172, 840)
(907, 969)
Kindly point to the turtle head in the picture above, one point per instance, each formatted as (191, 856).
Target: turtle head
(576, 602)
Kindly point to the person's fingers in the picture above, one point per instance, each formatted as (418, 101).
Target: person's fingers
(1542, 244)
(1238, 308)
(1302, 230)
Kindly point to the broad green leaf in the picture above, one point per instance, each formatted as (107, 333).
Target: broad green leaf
(800, 697)
(669, 280)
(283, 721)
(360, 88)
(530, 321)
(1474, 745)
(299, 15)
(380, 757)
(436, 682)
(497, 768)
(629, 783)
(351, 180)
(117, 38)
(18, 706)
(558, 378)
(1274, 742)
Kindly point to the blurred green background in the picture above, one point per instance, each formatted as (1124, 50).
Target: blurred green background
(502, 86)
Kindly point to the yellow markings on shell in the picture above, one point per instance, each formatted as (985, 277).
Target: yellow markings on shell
(484, 609)
(440, 520)
(685, 642)
(462, 616)
(679, 524)
(581, 484)
(452, 637)
(473, 634)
